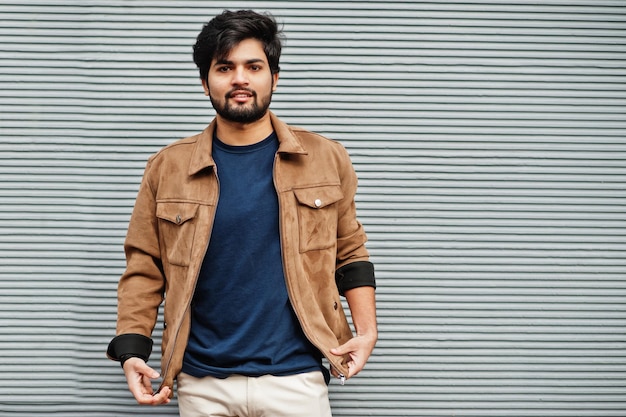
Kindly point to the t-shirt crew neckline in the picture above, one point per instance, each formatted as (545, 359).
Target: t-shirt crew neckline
(269, 140)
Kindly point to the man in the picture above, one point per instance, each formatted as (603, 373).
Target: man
(248, 231)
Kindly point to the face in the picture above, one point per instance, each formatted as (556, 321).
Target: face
(241, 85)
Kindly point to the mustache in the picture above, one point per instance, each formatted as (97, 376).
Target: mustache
(239, 90)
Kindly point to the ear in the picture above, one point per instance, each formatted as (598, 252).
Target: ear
(274, 81)
(205, 86)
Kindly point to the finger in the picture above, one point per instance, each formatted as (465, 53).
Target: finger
(354, 368)
(162, 397)
(142, 397)
(343, 349)
(143, 368)
(147, 385)
(137, 387)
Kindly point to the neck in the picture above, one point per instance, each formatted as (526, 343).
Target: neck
(241, 134)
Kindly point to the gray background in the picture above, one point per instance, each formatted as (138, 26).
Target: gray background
(489, 138)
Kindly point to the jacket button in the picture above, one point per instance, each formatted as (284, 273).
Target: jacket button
(335, 305)
(178, 219)
(318, 203)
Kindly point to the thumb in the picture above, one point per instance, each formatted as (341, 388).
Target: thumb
(139, 366)
(342, 349)
(143, 368)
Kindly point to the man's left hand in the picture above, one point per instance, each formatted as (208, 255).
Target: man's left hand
(359, 349)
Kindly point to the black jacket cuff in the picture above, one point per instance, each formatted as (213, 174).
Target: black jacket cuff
(354, 275)
(129, 345)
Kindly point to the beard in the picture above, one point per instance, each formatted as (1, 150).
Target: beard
(242, 114)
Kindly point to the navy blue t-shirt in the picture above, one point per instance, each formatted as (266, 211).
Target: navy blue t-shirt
(242, 320)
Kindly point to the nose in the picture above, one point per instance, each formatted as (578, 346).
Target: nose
(239, 76)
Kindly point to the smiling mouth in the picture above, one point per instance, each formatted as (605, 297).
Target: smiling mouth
(241, 94)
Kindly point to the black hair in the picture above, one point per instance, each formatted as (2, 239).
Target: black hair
(222, 33)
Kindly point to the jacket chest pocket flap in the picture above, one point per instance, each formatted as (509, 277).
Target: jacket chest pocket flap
(176, 230)
(317, 216)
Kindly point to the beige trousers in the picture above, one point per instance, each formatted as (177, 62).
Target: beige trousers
(301, 395)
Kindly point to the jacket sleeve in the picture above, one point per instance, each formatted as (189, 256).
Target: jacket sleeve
(354, 275)
(141, 288)
(126, 346)
(353, 266)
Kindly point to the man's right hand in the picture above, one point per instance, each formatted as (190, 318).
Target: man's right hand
(139, 376)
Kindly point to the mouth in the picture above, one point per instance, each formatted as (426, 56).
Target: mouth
(241, 95)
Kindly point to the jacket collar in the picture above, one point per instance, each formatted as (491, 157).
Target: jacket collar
(202, 153)
(288, 141)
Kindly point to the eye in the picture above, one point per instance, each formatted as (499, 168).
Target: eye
(255, 67)
(223, 69)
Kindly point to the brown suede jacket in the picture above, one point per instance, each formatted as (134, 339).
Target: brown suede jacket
(323, 244)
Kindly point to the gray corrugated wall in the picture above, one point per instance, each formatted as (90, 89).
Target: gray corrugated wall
(489, 138)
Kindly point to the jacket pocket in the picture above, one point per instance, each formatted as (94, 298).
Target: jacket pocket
(317, 216)
(176, 230)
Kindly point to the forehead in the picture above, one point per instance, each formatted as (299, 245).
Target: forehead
(245, 51)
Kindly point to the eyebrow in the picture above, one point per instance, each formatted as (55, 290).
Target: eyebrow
(227, 62)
